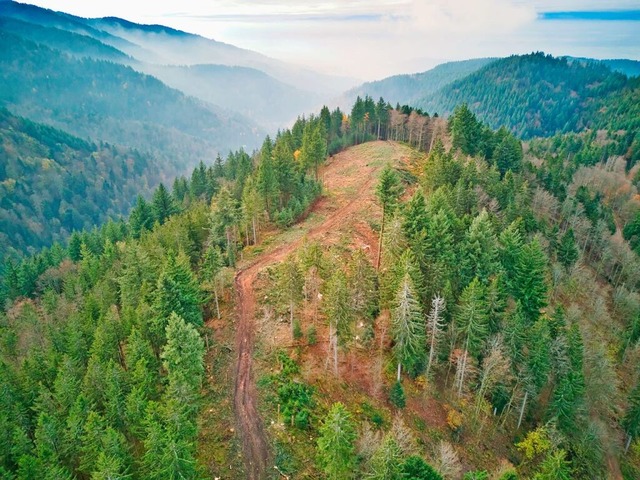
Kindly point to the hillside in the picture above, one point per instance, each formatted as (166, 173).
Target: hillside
(52, 183)
(242, 318)
(533, 95)
(111, 102)
(409, 89)
(286, 91)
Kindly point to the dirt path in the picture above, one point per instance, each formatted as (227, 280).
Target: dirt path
(349, 181)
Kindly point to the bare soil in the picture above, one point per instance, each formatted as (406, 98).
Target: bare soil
(349, 180)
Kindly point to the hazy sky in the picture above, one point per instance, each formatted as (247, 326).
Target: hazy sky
(374, 38)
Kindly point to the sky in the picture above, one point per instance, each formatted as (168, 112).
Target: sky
(370, 39)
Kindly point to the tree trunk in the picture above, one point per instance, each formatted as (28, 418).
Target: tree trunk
(524, 404)
(253, 223)
(399, 370)
(380, 240)
(291, 316)
(215, 295)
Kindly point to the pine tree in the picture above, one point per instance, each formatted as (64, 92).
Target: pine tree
(267, 181)
(337, 306)
(435, 326)
(362, 280)
(289, 285)
(336, 444)
(163, 205)
(388, 191)
(529, 285)
(408, 328)
(415, 468)
(567, 249)
(480, 256)
(631, 421)
(471, 321)
(182, 358)
(386, 461)
(141, 217)
(211, 266)
(177, 292)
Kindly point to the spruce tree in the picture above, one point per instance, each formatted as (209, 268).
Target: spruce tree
(336, 444)
(529, 284)
(408, 326)
(163, 205)
(567, 249)
(388, 191)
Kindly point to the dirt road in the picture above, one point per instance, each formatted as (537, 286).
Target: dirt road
(349, 183)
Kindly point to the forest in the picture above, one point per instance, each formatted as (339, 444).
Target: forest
(501, 289)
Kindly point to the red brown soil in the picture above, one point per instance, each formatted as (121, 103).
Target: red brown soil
(349, 183)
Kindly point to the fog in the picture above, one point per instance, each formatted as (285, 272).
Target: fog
(373, 39)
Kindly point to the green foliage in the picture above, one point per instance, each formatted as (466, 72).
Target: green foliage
(529, 284)
(396, 395)
(567, 249)
(415, 468)
(478, 475)
(408, 328)
(389, 189)
(386, 461)
(555, 467)
(336, 444)
(551, 94)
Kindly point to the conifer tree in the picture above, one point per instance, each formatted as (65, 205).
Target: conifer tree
(211, 267)
(567, 249)
(177, 292)
(182, 358)
(388, 191)
(337, 306)
(163, 205)
(141, 217)
(386, 461)
(290, 285)
(631, 421)
(408, 328)
(267, 181)
(435, 326)
(471, 321)
(362, 280)
(336, 444)
(480, 256)
(529, 285)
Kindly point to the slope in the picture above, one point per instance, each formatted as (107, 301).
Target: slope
(111, 102)
(346, 199)
(408, 89)
(52, 183)
(534, 95)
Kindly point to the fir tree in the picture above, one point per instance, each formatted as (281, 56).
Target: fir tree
(336, 444)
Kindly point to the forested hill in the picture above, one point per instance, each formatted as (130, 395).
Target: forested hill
(498, 337)
(111, 102)
(409, 89)
(534, 95)
(283, 90)
(52, 183)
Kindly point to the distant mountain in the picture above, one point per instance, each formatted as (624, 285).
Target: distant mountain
(111, 102)
(282, 91)
(52, 183)
(254, 94)
(162, 45)
(631, 68)
(410, 88)
(534, 95)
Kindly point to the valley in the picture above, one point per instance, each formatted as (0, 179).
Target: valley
(217, 264)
